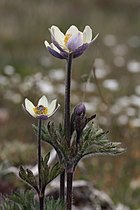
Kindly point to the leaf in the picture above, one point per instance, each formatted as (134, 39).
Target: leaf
(46, 159)
(32, 179)
(56, 169)
(22, 173)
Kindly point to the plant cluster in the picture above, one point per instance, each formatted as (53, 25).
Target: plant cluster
(73, 139)
(26, 200)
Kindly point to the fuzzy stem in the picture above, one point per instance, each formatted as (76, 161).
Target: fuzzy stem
(41, 194)
(62, 186)
(66, 118)
(67, 99)
(41, 202)
(69, 190)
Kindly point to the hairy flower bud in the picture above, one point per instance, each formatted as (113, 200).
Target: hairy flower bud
(80, 109)
(78, 120)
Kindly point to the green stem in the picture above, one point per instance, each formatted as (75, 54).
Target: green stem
(66, 118)
(41, 194)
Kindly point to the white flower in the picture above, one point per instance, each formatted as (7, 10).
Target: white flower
(43, 110)
(73, 41)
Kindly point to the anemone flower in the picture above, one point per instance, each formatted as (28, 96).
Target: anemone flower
(43, 110)
(73, 41)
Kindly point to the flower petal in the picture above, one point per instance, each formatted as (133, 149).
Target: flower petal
(59, 50)
(62, 49)
(46, 43)
(55, 53)
(29, 107)
(54, 47)
(75, 42)
(58, 38)
(43, 101)
(57, 35)
(94, 38)
(87, 34)
(72, 30)
(51, 46)
(52, 107)
(54, 110)
(80, 50)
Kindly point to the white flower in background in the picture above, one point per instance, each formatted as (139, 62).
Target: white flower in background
(73, 41)
(43, 110)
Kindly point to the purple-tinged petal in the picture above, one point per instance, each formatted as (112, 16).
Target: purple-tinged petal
(54, 48)
(64, 53)
(57, 45)
(75, 42)
(72, 30)
(55, 54)
(80, 50)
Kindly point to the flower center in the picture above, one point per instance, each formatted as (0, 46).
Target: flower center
(40, 110)
(66, 39)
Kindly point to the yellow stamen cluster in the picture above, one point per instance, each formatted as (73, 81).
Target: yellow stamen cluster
(40, 110)
(66, 39)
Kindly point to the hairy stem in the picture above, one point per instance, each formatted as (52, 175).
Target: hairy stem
(62, 186)
(67, 99)
(41, 201)
(69, 190)
(41, 194)
(66, 118)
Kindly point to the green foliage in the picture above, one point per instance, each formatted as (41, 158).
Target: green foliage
(7, 204)
(55, 137)
(47, 174)
(54, 204)
(26, 200)
(28, 177)
(93, 141)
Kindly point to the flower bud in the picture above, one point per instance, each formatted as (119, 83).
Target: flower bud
(78, 120)
(80, 109)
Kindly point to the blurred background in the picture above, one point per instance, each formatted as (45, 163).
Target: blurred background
(28, 70)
